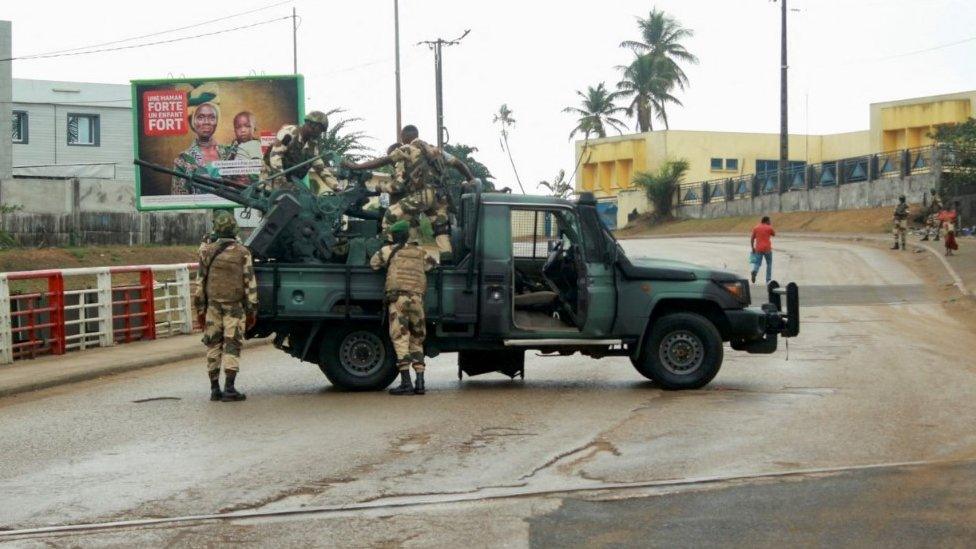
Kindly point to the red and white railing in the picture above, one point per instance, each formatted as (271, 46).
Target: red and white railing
(60, 310)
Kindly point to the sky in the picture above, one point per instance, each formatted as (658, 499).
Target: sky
(532, 56)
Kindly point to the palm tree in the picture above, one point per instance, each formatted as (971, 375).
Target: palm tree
(344, 143)
(559, 187)
(597, 111)
(661, 37)
(504, 118)
(662, 186)
(464, 154)
(648, 81)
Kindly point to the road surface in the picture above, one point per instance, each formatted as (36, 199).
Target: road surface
(861, 433)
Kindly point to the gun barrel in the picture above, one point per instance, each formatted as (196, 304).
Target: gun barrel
(218, 187)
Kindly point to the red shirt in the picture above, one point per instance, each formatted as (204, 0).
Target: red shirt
(763, 234)
(947, 217)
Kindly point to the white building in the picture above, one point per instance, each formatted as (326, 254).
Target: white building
(71, 129)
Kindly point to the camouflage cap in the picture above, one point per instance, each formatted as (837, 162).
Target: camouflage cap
(225, 225)
(318, 117)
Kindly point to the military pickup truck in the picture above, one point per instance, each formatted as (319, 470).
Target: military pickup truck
(528, 273)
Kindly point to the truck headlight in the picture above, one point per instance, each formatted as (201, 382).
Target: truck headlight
(739, 289)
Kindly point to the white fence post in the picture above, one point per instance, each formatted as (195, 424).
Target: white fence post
(106, 335)
(185, 301)
(6, 328)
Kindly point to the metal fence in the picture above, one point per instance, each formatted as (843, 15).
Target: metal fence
(870, 167)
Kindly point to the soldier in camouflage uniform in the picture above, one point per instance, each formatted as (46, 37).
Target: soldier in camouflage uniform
(296, 144)
(407, 264)
(204, 149)
(225, 302)
(420, 167)
(901, 222)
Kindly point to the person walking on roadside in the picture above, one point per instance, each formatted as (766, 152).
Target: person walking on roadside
(900, 219)
(948, 219)
(762, 245)
(225, 302)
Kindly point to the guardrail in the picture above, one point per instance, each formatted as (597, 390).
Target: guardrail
(60, 310)
(901, 163)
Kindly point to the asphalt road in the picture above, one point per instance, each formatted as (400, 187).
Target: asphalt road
(861, 434)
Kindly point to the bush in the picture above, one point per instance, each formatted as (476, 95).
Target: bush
(662, 186)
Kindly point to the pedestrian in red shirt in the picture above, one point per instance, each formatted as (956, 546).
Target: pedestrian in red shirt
(948, 218)
(762, 248)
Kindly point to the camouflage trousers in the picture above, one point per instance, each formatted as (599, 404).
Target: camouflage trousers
(424, 202)
(932, 229)
(408, 328)
(224, 336)
(899, 230)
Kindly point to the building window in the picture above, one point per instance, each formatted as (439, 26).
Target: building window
(83, 129)
(19, 133)
(732, 164)
(770, 166)
(716, 164)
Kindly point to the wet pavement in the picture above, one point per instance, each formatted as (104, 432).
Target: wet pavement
(880, 375)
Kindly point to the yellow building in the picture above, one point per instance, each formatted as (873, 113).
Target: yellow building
(608, 165)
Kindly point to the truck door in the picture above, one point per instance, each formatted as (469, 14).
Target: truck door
(600, 282)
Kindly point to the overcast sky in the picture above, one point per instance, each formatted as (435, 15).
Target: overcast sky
(844, 54)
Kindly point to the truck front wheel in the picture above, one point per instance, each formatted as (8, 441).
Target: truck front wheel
(357, 357)
(683, 351)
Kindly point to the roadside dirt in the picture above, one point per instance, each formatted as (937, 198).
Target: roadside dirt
(32, 259)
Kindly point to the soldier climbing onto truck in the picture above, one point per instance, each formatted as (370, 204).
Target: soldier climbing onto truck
(421, 169)
(297, 144)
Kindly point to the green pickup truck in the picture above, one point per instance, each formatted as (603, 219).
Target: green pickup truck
(529, 273)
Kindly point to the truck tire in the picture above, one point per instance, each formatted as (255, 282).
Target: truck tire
(358, 357)
(683, 351)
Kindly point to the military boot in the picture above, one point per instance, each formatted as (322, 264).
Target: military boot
(895, 247)
(405, 387)
(215, 393)
(230, 393)
(419, 387)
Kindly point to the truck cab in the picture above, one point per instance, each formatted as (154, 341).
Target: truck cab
(529, 273)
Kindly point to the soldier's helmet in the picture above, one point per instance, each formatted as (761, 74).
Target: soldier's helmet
(224, 225)
(901, 198)
(399, 232)
(318, 117)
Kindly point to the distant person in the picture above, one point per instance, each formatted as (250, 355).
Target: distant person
(246, 145)
(948, 219)
(203, 151)
(900, 219)
(762, 244)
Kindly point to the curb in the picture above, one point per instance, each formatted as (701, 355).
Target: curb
(112, 369)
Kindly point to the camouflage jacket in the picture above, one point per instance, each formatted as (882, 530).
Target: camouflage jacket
(289, 149)
(901, 211)
(189, 162)
(229, 275)
(407, 267)
(416, 166)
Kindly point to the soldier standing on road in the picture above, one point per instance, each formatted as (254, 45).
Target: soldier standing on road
(225, 302)
(407, 264)
(901, 223)
(422, 168)
(296, 144)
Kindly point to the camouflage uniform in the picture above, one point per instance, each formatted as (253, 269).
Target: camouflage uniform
(227, 297)
(192, 161)
(901, 224)
(416, 168)
(290, 148)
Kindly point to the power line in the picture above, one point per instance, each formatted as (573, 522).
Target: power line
(134, 46)
(130, 39)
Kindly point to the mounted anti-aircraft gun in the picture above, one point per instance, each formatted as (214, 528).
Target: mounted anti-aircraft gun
(297, 225)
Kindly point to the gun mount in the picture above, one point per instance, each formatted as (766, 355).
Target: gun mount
(298, 226)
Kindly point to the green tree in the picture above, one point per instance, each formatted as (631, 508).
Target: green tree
(338, 138)
(464, 154)
(505, 120)
(958, 144)
(597, 110)
(662, 186)
(648, 82)
(652, 77)
(558, 187)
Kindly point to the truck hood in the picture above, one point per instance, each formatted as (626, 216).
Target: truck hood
(666, 269)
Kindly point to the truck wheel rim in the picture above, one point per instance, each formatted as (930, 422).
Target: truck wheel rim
(682, 352)
(362, 353)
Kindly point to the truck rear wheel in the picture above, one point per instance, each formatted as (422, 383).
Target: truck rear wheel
(683, 351)
(358, 357)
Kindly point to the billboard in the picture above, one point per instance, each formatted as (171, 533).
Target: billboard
(209, 126)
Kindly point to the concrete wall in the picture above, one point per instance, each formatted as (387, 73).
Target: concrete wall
(104, 228)
(60, 196)
(866, 194)
(628, 201)
(6, 95)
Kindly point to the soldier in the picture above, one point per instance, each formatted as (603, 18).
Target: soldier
(422, 168)
(901, 222)
(225, 302)
(296, 144)
(932, 219)
(407, 264)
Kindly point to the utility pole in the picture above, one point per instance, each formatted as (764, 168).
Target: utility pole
(437, 46)
(396, 34)
(294, 40)
(784, 136)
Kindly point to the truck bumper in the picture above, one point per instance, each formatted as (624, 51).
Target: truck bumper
(758, 331)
